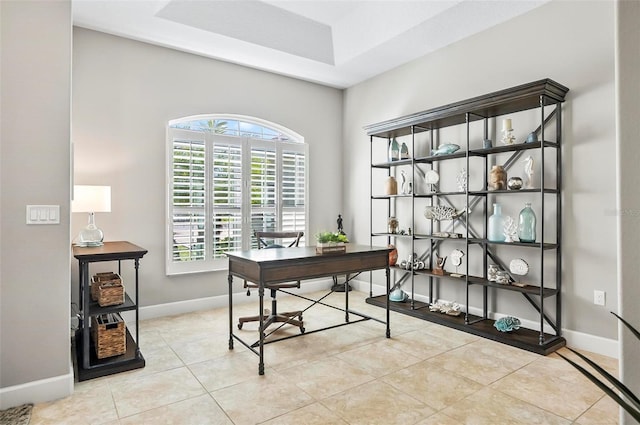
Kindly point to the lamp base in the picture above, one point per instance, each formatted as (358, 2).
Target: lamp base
(90, 235)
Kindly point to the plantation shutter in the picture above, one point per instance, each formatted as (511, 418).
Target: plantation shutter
(227, 198)
(226, 179)
(293, 190)
(263, 189)
(188, 200)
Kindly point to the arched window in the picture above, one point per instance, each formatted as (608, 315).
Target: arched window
(228, 176)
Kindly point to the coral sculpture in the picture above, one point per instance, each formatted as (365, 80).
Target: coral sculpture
(441, 212)
(507, 324)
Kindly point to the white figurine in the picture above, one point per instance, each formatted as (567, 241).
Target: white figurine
(403, 183)
(528, 171)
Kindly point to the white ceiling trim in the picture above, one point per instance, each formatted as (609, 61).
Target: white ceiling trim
(334, 43)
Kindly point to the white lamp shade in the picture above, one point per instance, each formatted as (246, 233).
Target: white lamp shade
(90, 199)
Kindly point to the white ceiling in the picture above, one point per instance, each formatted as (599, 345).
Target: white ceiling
(337, 43)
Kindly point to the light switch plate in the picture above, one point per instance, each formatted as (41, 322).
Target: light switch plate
(43, 214)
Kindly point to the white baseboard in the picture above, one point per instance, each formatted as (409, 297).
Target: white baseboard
(40, 391)
(576, 340)
(219, 301)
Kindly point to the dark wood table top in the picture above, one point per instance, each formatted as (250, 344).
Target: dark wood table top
(117, 250)
(299, 263)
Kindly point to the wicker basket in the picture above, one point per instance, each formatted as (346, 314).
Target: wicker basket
(107, 289)
(109, 335)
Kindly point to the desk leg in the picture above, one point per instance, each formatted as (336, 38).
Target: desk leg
(346, 299)
(230, 279)
(387, 297)
(261, 328)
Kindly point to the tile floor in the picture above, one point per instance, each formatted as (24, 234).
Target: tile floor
(425, 374)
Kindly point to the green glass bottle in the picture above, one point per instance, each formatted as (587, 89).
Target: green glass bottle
(527, 224)
(394, 150)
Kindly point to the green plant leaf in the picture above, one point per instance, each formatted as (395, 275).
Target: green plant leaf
(633, 411)
(613, 380)
(631, 328)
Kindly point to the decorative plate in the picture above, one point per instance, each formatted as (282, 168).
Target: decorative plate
(431, 177)
(519, 266)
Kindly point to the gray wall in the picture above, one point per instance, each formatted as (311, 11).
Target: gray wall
(125, 92)
(628, 89)
(34, 162)
(547, 42)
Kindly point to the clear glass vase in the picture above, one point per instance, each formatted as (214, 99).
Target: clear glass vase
(495, 231)
(527, 224)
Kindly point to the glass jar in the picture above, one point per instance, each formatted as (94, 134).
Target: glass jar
(495, 231)
(527, 224)
(392, 223)
(497, 178)
(391, 186)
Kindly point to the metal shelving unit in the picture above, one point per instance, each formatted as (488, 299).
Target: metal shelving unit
(547, 97)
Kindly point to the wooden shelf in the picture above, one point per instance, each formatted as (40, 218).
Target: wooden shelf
(523, 338)
(95, 309)
(131, 359)
(528, 289)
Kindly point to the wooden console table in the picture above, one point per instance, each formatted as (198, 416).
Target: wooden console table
(266, 266)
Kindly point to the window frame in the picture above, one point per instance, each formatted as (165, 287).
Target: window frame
(294, 143)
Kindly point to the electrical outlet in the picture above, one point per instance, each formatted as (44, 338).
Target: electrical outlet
(599, 297)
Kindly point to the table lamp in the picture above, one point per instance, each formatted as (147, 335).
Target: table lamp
(91, 199)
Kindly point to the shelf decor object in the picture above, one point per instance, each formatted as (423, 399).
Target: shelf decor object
(461, 180)
(528, 172)
(404, 151)
(497, 178)
(510, 229)
(519, 267)
(394, 150)
(527, 224)
(444, 149)
(507, 132)
(391, 186)
(393, 255)
(91, 199)
(432, 178)
(507, 324)
(487, 279)
(441, 212)
(514, 183)
(495, 232)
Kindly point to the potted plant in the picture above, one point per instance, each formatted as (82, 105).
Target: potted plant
(331, 242)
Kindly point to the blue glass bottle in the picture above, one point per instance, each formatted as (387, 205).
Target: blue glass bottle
(495, 231)
(527, 224)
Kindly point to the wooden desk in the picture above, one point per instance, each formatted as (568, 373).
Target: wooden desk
(266, 266)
